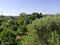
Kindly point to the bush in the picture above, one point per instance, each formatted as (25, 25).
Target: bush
(47, 29)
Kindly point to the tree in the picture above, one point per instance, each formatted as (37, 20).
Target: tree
(47, 29)
(22, 14)
(36, 15)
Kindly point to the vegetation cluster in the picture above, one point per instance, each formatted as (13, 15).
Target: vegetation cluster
(30, 29)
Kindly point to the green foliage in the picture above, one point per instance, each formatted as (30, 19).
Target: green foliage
(48, 30)
(10, 26)
(7, 37)
(36, 15)
(33, 29)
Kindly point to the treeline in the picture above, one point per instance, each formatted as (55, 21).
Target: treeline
(14, 28)
(30, 29)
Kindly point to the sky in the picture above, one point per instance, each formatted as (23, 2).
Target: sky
(15, 7)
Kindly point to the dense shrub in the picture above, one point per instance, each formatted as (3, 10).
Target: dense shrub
(47, 29)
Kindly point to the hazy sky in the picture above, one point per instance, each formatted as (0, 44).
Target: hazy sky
(14, 7)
